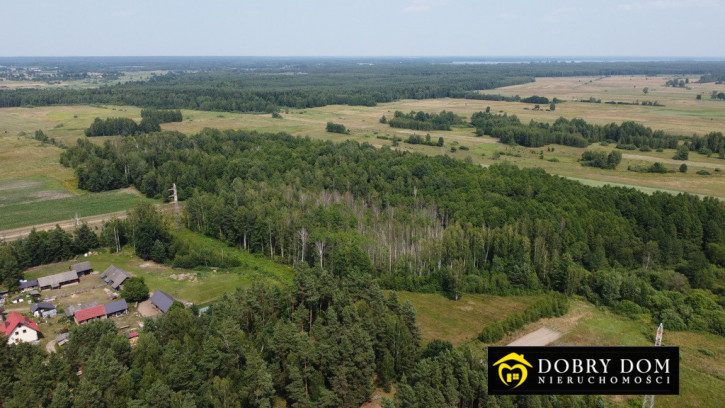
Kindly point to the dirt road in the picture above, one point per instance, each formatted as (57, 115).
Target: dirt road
(540, 337)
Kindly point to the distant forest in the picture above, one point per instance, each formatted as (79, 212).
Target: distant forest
(241, 85)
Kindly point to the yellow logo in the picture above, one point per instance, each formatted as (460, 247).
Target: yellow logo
(511, 375)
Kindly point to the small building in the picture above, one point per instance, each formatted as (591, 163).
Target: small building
(58, 280)
(27, 285)
(43, 309)
(86, 315)
(82, 269)
(132, 338)
(34, 293)
(17, 299)
(62, 339)
(71, 310)
(114, 277)
(162, 300)
(117, 308)
(17, 328)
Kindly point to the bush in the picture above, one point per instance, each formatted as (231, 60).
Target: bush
(336, 128)
(627, 308)
(703, 172)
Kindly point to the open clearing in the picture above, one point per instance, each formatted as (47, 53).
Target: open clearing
(460, 322)
(540, 337)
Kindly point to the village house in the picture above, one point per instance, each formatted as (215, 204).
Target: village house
(19, 329)
(86, 315)
(162, 300)
(43, 309)
(117, 308)
(114, 277)
(82, 269)
(58, 280)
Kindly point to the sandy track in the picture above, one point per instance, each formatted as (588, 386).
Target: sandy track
(540, 337)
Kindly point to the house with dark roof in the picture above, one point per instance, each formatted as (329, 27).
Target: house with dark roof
(82, 269)
(19, 328)
(116, 308)
(43, 309)
(162, 300)
(27, 285)
(71, 310)
(58, 280)
(114, 277)
(86, 315)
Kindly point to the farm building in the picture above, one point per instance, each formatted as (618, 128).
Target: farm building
(82, 269)
(71, 310)
(62, 339)
(114, 277)
(86, 315)
(27, 285)
(116, 308)
(18, 329)
(162, 300)
(58, 280)
(43, 309)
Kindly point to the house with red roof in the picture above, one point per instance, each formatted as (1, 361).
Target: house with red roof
(19, 328)
(85, 315)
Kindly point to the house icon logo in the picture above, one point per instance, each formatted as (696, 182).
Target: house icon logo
(510, 374)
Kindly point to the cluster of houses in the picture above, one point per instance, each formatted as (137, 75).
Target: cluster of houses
(19, 328)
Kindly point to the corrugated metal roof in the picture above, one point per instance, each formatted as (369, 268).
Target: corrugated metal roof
(90, 313)
(162, 300)
(71, 310)
(81, 267)
(28, 284)
(58, 279)
(116, 306)
(114, 276)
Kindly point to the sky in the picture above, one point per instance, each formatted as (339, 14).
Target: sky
(646, 28)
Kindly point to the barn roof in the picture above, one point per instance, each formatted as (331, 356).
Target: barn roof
(90, 313)
(114, 276)
(162, 300)
(28, 284)
(81, 267)
(116, 306)
(14, 320)
(58, 279)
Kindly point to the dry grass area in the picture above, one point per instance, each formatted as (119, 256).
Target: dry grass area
(459, 322)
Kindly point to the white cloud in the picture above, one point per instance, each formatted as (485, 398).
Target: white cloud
(666, 4)
(423, 6)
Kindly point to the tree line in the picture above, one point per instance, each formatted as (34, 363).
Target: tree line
(151, 119)
(425, 121)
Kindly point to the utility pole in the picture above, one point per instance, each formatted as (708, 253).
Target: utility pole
(175, 196)
(649, 400)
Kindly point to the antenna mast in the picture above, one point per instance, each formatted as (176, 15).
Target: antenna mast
(649, 400)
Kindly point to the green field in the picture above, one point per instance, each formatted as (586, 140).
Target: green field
(211, 282)
(460, 322)
(52, 210)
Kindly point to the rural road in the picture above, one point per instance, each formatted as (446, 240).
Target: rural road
(69, 225)
(540, 337)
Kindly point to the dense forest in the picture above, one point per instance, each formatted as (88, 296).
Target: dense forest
(425, 121)
(432, 224)
(258, 85)
(151, 119)
(574, 132)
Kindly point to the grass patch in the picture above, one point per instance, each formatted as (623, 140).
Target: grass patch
(461, 321)
(40, 212)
